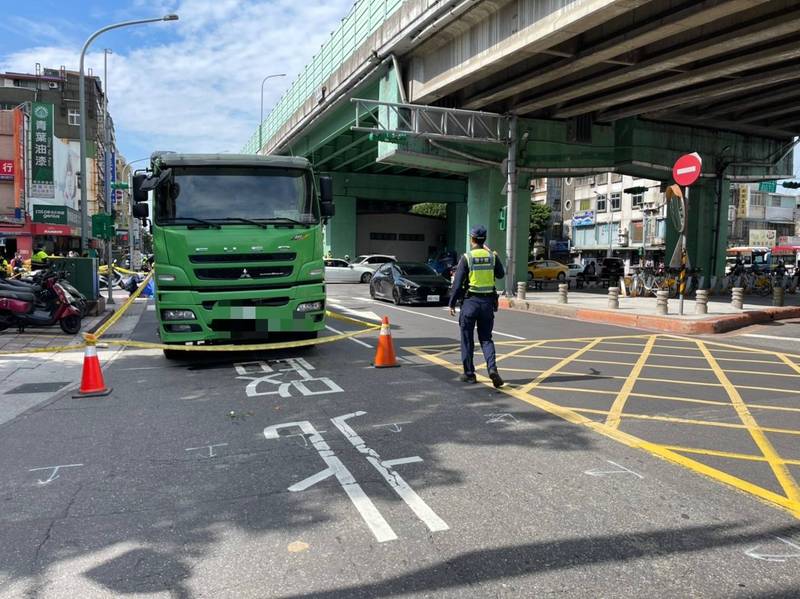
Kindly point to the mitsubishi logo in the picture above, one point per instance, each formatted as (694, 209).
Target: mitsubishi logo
(245, 274)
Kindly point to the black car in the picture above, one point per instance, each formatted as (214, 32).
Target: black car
(409, 283)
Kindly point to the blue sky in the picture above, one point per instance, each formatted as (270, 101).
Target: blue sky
(190, 85)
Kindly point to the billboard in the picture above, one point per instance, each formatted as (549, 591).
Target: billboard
(65, 173)
(6, 170)
(42, 150)
(583, 219)
(763, 237)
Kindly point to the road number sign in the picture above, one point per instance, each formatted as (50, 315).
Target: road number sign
(687, 169)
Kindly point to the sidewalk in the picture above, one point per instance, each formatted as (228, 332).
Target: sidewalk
(640, 312)
(27, 379)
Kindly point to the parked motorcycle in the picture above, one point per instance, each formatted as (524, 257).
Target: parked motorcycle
(39, 304)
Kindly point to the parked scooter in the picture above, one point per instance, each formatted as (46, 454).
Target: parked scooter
(39, 305)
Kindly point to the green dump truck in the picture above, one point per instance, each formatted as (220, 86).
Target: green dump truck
(238, 246)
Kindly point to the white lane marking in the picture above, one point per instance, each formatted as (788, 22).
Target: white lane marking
(353, 339)
(450, 320)
(395, 481)
(372, 517)
(622, 470)
(54, 475)
(364, 314)
(151, 308)
(395, 427)
(210, 448)
(771, 337)
(293, 366)
(774, 557)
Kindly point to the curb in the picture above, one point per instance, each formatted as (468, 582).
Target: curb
(706, 326)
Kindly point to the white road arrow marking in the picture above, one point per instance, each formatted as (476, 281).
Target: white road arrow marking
(775, 557)
(501, 417)
(622, 470)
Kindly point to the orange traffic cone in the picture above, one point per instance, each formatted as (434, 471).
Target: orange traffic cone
(384, 355)
(92, 383)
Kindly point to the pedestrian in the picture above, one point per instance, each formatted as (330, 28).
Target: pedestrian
(474, 285)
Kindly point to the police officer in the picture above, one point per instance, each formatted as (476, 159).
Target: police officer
(474, 281)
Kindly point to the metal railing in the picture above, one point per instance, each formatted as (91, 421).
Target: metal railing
(364, 18)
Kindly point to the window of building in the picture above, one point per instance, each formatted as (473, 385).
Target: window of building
(584, 205)
(637, 200)
(74, 117)
(411, 237)
(383, 236)
(601, 202)
(757, 199)
(775, 202)
(616, 201)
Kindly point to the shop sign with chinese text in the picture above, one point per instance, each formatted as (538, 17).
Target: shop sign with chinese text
(41, 126)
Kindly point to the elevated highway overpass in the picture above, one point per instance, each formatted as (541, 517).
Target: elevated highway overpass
(553, 88)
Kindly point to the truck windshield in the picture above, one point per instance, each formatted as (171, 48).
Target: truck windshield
(237, 196)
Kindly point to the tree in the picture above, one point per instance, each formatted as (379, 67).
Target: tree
(540, 220)
(430, 209)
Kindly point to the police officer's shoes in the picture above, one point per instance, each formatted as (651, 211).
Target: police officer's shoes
(496, 380)
(468, 378)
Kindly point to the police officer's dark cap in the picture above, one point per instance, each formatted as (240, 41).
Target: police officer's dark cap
(478, 232)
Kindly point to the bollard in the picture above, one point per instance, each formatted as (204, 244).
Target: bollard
(701, 302)
(777, 296)
(563, 289)
(662, 302)
(522, 289)
(737, 297)
(613, 298)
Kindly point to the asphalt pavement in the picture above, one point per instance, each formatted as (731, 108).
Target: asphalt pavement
(616, 463)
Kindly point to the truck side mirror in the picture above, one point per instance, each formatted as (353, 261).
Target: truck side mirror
(141, 210)
(139, 195)
(326, 207)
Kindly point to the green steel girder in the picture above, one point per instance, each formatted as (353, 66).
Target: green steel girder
(398, 188)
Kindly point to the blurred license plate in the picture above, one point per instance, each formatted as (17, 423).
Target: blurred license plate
(433, 298)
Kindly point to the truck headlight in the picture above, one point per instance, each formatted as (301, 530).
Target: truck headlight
(177, 315)
(310, 307)
(166, 277)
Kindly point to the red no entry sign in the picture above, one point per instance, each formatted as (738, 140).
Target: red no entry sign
(687, 169)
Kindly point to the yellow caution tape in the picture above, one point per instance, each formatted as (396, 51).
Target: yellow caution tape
(118, 314)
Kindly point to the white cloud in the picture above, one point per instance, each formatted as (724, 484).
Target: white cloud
(200, 92)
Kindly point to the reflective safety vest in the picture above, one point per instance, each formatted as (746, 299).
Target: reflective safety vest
(39, 256)
(481, 270)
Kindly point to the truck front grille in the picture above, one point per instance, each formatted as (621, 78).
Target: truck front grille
(242, 274)
(239, 258)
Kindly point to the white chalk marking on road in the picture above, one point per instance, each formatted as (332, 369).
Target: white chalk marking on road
(353, 339)
(450, 320)
(53, 475)
(392, 426)
(622, 470)
(151, 308)
(365, 314)
(370, 514)
(395, 481)
(501, 417)
(774, 557)
(210, 448)
(771, 337)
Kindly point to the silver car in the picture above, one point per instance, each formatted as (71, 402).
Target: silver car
(340, 271)
(373, 261)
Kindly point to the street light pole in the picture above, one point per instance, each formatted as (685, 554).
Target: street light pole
(261, 122)
(82, 102)
(107, 178)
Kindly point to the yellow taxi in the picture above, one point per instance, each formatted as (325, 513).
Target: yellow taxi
(547, 269)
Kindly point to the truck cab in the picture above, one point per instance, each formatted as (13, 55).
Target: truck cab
(238, 246)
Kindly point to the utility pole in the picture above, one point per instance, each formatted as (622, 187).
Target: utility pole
(107, 177)
(511, 209)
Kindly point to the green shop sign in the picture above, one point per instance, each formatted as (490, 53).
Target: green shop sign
(56, 215)
(41, 126)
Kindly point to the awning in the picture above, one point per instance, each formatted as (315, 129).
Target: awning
(55, 230)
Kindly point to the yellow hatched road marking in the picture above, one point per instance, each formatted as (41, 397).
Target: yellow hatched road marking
(788, 483)
(519, 350)
(556, 367)
(619, 403)
(632, 441)
(727, 454)
(789, 363)
(732, 348)
(676, 420)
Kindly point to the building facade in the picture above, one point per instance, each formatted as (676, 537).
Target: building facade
(39, 141)
(759, 215)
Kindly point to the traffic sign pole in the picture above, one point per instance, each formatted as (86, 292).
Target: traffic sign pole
(686, 171)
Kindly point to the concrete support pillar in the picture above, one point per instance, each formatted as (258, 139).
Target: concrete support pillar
(485, 197)
(340, 232)
(457, 227)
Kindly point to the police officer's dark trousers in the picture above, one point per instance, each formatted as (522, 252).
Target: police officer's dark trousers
(480, 311)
